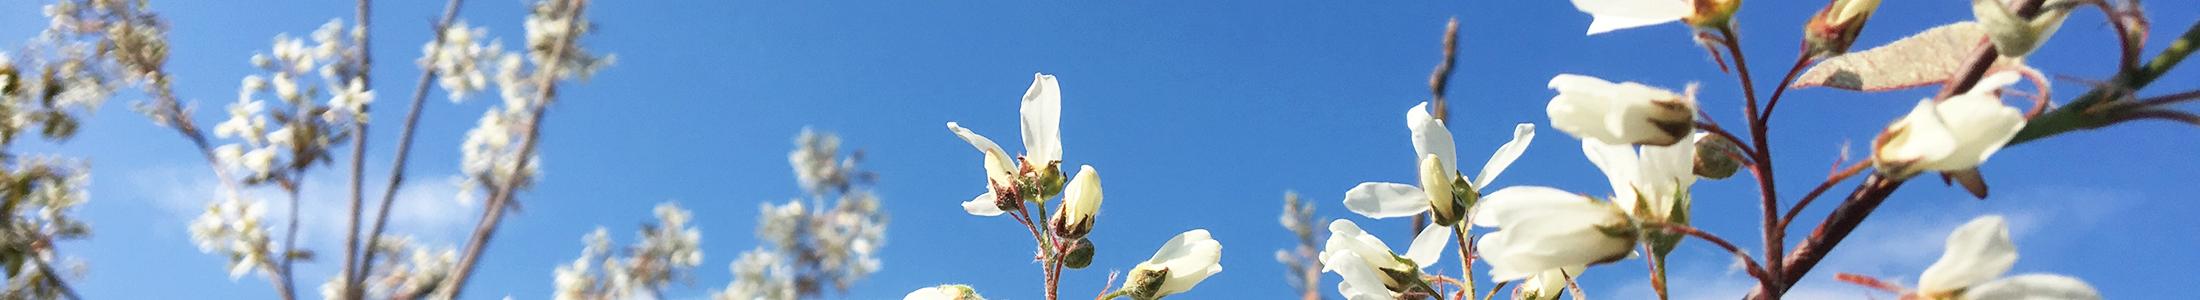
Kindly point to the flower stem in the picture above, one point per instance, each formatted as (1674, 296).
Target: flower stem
(1466, 256)
(1761, 165)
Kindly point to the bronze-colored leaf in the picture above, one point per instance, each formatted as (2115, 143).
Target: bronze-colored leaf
(1927, 58)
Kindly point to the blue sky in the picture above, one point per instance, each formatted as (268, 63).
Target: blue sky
(1201, 113)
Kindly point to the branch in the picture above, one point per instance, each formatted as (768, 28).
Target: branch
(546, 90)
(358, 158)
(1761, 164)
(1748, 262)
(404, 151)
(1831, 179)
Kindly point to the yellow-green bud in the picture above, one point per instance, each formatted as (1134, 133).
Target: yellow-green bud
(1438, 183)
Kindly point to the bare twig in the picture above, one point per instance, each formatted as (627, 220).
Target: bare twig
(1761, 165)
(404, 151)
(1831, 179)
(1748, 262)
(358, 156)
(546, 89)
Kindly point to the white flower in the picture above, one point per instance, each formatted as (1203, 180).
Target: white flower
(1188, 258)
(1542, 229)
(1980, 251)
(1041, 120)
(1366, 263)
(944, 292)
(1659, 176)
(1954, 135)
(2012, 35)
(1620, 113)
(1432, 139)
(261, 161)
(352, 100)
(1080, 200)
(1547, 285)
(1612, 15)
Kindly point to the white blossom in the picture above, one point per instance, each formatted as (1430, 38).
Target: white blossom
(1080, 201)
(1979, 252)
(1041, 121)
(1612, 15)
(944, 292)
(1541, 229)
(1367, 264)
(1188, 258)
(1620, 113)
(1953, 135)
(1431, 139)
(1656, 176)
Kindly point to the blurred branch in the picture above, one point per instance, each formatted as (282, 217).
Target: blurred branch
(404, 150)
(546, 87)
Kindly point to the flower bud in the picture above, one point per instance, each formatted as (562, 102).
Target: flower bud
(944, 292)
(2012, 34)
(1080, 200)
(1716, 156)
(1438, 183)
(1179, 265)
(1834, 28)
(1049, 180)
(1713, 13)
(1080, 255)
(1952, 135)
(1620, 113)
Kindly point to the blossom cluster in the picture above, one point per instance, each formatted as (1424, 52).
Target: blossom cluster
(829, 238)
(668, 249)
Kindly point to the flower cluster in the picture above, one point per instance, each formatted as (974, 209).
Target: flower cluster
(1016, 185)
(831, 238)
(668, 249)
(421, 272)
(234, 227)
(278, 144)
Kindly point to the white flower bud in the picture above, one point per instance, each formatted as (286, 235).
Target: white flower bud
(1179, 265)
(1080, 200)
(1620, 113)
(1437, 183)
(1953, 135)
(1542, 228)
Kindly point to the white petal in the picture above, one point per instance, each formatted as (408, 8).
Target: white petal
(1346, 237)
(1977, 252)
(982, 206)
(998, 167)
(1979, 124)
(1360, 280)
(2033, 287)
(1042, 120)
(1580, 107)
(1505, 205)
(1922, 138)
(1428, 247)
(1505, 155)
(1385, 200)
(1622, 14)
(1431, 137)
(1543, 228)
(1081, 197)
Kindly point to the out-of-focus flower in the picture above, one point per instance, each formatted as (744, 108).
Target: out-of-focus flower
(1620, 113)
(1978, 253)
(2015, 36)
(1432, 140)
(1542, 229)
(1181, 264)
(1371, 270)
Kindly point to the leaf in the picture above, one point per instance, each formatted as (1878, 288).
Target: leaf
(1927, 58)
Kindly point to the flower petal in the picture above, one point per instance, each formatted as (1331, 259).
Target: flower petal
(1385, 200)
(1361, 281)
(1505, 155)
(998, 167)
(1190, 257)
(1914, 142)
(1506, 205)
(982, 206)
(2033, 287)
(1042, 120)
(1431, 137)
(1977, 252)
(1623, 14)
(1428, 247)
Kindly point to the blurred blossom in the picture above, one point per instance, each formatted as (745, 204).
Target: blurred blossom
(668, 249)
(828, 239)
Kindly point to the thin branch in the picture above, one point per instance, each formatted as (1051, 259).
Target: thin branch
(1983, 58)
(1714, 129)
(1748, 262)
(290, 238)
(546, 90)
(358, 156)
(1778, 90)
(1466, 256)
(1438, 82)
(404, 151)
(1761, 165)
(2171, 99)
(1831, 179)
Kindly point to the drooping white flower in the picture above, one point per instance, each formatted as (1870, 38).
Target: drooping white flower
(1080, 200)
(1367, 264)
(1980, 251)
(1431, 139)
(1541, 229)
(1612, 15)
(1620, 113)
(1950, 136)
(1657, 176)
(1547, 285)
(1187, 259)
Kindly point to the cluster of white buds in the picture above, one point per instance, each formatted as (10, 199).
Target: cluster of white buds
(233, 227)
(459, 59)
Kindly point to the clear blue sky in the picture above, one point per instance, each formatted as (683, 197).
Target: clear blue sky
(1201, 113)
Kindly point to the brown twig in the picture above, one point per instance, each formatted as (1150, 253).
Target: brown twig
(1748, 262)
(1761, 165)
(404, 151)
(546, 90)
(1983, 58)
